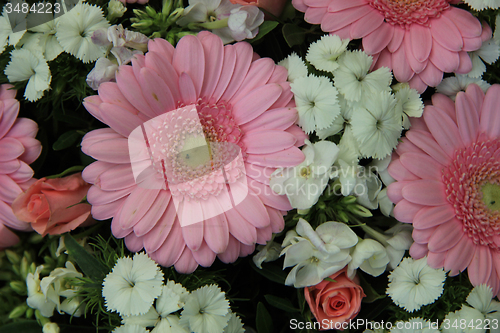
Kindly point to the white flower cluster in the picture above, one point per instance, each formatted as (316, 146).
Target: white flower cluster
(45, 295)
(35, 46)
(333, 246)
(135, 290)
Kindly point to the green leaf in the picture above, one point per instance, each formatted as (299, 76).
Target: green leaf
(271, 272)
(371, 294)
(25, 326)
(66, 140)
(264, 29)
(88, 264)
(263, 320)
(293, 34)
(281, 303)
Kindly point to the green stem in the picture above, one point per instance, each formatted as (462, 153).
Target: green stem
(370, 231)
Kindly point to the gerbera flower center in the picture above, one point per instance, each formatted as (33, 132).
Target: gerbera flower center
(408, 12)
(196, 150)
(473, 188)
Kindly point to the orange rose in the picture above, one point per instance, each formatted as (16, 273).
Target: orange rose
(333, 303)
(274, 7)
(51, 205)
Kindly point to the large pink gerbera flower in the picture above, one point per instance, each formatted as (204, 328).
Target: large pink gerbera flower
(417, 39)
(448, 184)
(18, 148)
(240, 100)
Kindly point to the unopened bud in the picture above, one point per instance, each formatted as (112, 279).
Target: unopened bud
(342, 216)
(18, 311)
(359, 210)
(19, 287)
(13, 257)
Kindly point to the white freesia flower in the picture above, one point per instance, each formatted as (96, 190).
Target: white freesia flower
(200, 11)
(125, 43)
(75, 29)
(36, 299)
(367, 189)
(234, 325)
(414, 325)
(205, 310)
(413, 284)
(161, 316)
(316, 102)
(452, 85)
(12, 25)
(370, 256)
(116, 9)
(266, 253)
(377, 125)
(103, 71)
(130, 329)
(295, 65)
(324, 53)
(353, 80)
(483, 4)
(133, 285)
(50, 328)
(32, 66)
(316, 254)
(243, 23)
(304, 183)
(409, 102)
(55, 285)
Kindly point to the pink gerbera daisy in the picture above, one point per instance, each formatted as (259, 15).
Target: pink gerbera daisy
(241, 100)
(448, 184)
(417, 39)
(18, 148)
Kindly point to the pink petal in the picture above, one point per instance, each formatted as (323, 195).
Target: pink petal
(467, 24)
(186, 263)
(165, 70)
(490, 118)
(476, 95)
(216, 233)
(405, 211)
(431, 75)
(110, 93)
(8, 117)
(314, 15)
(425, 192)
(384, 60)
(171, 249)
(285, 158)
(446, 33)
(136, 206)
(268, 197)
(258, 173)
(9, 166)
(116, 178)
(340, 19)
(92, 103)
(446, 236)
(187, 89)
(444, 59)
(189, 58)
(8, 218)
(429, 217)
(96, 196)
(214, 59)
(22, 174)
(253, 209)
(9, 190)
(417, 84)
(465, 63)
(255, 103)
(338, 5)
(153, 215)
(240, 228)
(436, 259)
(7, 237)
(244, 54)
(459, 257)
(193, 235)
(467, 118)
(427, 143)
(277, 221)
(246, 250)
(418, 124)
(156, 237)
(204, 256)
(156, 93)
(138, 62)
(10, 149)
(264, 235)
(133, 243)
(273, 119)
(299, 135)
(226, 71)
(32, 149)
(399, 172)
(444, 103)
(91, 172)
(394, 191)
(397, 39)
(23, 127)
(422, 236)
(279, 76)
(480, 266)
(422, 165)
(107, 211)
(416, 65)
(111, 150)
(128, 84)
(259, 73)
(418, 251)
(421, 42)
(232, 251)
(161, 46)
(401, 67)
(405, 146)
(368, 24)
(343, 33)
(265, 142)
(443, 129)
(119, 119)
(7, 91)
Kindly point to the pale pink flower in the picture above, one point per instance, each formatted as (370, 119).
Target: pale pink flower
(448, 184)
(241, 99)
(417, 39)
(18, 148)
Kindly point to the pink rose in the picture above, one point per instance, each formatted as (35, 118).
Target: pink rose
(274, 7)
(52, 205)
(333, 303)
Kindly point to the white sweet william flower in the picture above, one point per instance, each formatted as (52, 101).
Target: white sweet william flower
(234, 325)
(414, 325)
(452, 85)
(130, 329)
(409, 102)
(12, 25)
(304, 183)
(316, 254)
(399, 240)
(324, 53)
(370, 256)
(32, 66)
(413, 284)
(133, 285)
(483, 4)
(487, 53)
(353, 80)
(75, 29)
(377, 125)
(103, 71)
(340, 121)
(162, 316)
(205, 310)
(42, 36)
(316, 102)
(295, 65)
(36, 299)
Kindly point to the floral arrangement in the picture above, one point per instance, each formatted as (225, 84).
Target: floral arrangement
(229, 166)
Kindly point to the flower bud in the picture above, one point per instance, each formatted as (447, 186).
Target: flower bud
(51, 328)
(18, 311)
(19, 287)
(13, 257)
(116, 9)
